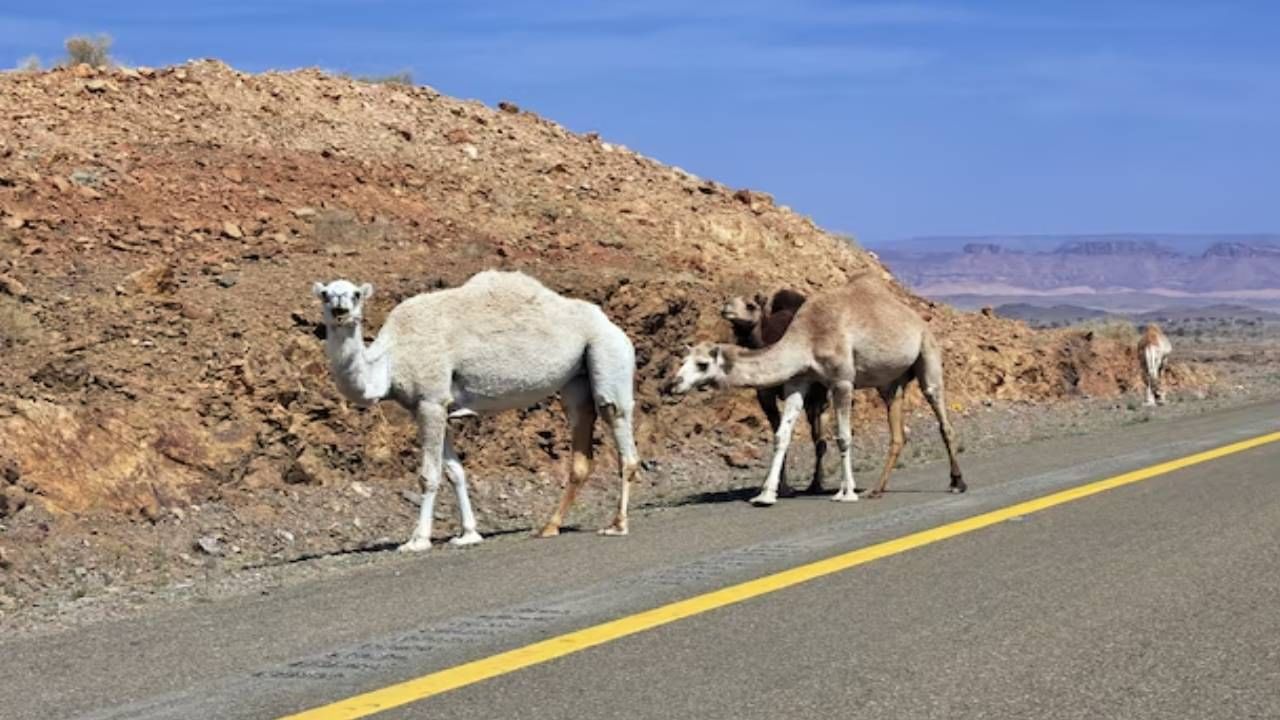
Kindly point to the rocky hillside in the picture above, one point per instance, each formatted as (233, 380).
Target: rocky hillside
(164, 392)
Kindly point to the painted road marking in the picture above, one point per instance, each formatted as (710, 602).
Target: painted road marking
(470, 673)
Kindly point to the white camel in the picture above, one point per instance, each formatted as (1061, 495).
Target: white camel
(1153, 351)
(500, 341)
(855, 336)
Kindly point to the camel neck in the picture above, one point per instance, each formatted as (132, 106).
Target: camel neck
(361, 380)
(768, 367)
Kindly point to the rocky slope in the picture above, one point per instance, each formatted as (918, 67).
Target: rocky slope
(164, 398)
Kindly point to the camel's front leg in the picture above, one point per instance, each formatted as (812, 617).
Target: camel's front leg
(782, 440)
(432, 427)
(458, 476)
(842, 397)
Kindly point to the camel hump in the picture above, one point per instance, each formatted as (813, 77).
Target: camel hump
(786, 299)
(1151, 334)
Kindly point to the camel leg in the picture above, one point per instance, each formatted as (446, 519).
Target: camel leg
(581, 409)
(929, 374)
(782, 440)
(1152, 371)
(842, 397)
(768, 399)
(458, 476)
(892, 396)
(815, 403)
(1160, 381)
(432, 428)
(628, 463)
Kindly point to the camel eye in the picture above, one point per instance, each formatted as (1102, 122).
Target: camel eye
(703, 366)
(356, 295)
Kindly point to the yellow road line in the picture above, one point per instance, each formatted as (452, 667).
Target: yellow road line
(476, 671)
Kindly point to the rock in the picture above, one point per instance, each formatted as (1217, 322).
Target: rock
(209, 544)
(191, 311)
(361, 489)
(284, 536)
(5, 562)
(83, 70)
(471, 151)
(100, 86)
(457, 136)
(508, 107)
(12, 499)
(232, 230)
(13, 287)
(60, 183)
(304, 212)
(228, 280)
(15, 222)
(412, 497)
(233, 174)
(153, 280)
(742, 456)
(311, 468)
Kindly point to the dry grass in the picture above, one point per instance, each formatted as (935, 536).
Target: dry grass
(1121, 331)
(95, 51)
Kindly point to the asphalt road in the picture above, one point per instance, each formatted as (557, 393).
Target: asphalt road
(1157, 599)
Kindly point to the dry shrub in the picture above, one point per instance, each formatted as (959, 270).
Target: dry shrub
(94, 51)
(1120, 331)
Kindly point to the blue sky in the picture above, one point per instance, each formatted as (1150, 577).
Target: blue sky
(882, 119)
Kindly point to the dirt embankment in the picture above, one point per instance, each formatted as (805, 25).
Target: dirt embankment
(163, 392)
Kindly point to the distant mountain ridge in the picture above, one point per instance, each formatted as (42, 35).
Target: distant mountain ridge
(1215, 266)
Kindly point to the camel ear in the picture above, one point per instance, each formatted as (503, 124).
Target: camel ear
(366, 291)
(318, 290)
(717, 354)
(761, 301)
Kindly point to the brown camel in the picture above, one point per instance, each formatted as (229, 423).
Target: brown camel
(855, 336)
(758, 323)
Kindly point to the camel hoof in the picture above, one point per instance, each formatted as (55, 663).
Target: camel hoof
(764, 499)
(465, 539)
(842, 496)
(874, 495)
(786, 492)
(612, 531)
(415, 545)
(549, 531)
(814, 489)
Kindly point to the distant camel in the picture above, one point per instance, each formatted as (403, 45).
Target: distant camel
(758, 323)
(854, 336)
(1153, 352)
(500, 341)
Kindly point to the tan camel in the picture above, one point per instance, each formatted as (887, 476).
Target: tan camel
(500, 341)
(758, 323)
(1153, 351)
(855, 336)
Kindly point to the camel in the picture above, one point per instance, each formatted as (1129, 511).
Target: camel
(758, 323)
(500, 341)
(1153, 351)
(855, 336)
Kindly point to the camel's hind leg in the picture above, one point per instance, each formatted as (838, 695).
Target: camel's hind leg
(620, 422)
(432, 428)
(929, 374)
(815, 403)
(581, 409)
(842, 398)
(892, 395)
(458, 476)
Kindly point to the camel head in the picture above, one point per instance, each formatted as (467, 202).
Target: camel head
(704, 364)
(343, 301)
(744, 311)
